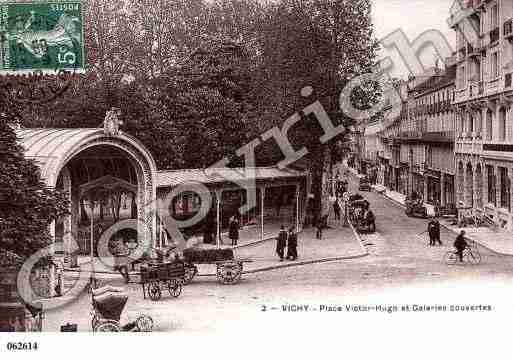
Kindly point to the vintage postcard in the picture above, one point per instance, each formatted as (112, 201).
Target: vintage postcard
(335, 174)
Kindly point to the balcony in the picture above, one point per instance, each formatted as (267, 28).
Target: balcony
(494, 35)
(508, 30)
(475, 50)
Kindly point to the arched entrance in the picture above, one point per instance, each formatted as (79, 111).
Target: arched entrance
(469, 186)
(108, 175)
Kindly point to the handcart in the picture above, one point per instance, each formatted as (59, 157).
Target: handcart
(108, 304)
(158, 276)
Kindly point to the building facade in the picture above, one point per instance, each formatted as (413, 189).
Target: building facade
(483, 98)
(428, 138)
(417, 140)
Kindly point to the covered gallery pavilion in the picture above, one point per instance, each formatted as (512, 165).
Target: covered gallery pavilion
(110, 176)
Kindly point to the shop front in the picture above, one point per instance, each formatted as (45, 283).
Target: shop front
(433, 187)
(403, 180)
(449, 196)
(418, 183)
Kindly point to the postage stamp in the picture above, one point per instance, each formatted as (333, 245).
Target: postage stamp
(45, 37)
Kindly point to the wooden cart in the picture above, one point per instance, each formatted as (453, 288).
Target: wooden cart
(156, 277)
(228, 269)
(227, 272)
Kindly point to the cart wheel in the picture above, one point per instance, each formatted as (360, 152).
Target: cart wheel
(144, 323)
(190, 272)
(229, 273)
(108, 326)
(174, 287)
(154, 291)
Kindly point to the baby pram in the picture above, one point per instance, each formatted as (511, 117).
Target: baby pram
(108, 304)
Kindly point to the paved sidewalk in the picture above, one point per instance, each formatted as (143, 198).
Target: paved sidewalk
(338, 243)
(497, 241)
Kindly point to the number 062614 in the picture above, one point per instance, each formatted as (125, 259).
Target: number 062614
(12, 346)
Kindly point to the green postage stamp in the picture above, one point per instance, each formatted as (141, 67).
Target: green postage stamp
(42, 36)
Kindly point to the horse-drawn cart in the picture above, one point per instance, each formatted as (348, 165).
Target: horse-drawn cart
(158, 276)
(228, 268)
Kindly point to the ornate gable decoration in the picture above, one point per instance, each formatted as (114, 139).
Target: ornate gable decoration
(112, 122)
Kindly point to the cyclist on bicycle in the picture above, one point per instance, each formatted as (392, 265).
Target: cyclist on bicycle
(460, 244)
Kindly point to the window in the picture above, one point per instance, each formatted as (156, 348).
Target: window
(429, 156)
(505, 188)
(492, 195)
(495, 16)
(489, 125)
(495, 65)
(462, 77)
(502, 124)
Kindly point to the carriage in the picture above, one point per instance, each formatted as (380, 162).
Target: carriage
(364, 184)
(415, 208)
(108, 304)
(363, 220)
(228, 268)
(156, 277)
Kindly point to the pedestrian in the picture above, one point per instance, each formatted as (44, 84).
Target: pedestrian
(460, 244)
(292, 245)
(431, 231)
(437, 233)
(233, 230)
(336, 209)
(320, 226)
(281, 243)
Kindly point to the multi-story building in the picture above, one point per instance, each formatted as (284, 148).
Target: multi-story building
(373, 148)
(428, 137)
(418, 140)
(388, 158)
(483, 98)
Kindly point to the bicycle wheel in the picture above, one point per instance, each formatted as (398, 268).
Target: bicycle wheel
(472, 256)
(450, 258)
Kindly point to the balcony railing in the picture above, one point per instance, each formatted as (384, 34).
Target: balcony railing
(494, 35)
(475, 49)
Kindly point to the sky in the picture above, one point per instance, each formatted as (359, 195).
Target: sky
(414, 17)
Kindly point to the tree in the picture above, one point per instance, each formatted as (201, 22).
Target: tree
(322, 44)
(27, 206)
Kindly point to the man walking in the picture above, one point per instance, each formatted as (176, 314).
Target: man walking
(432, 231)
(460, 244)
(319, 225)
(292, 245)
(281, 243)
(437, 233)
(336, 209)
(233, 230)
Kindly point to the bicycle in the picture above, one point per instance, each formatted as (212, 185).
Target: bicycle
(470, 255)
